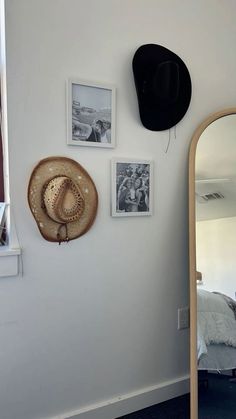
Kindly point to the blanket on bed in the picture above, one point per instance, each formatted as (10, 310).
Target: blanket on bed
(216, 321)
(231, 303)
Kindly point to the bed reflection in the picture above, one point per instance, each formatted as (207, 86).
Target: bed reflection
(215, 188)
(216, 331)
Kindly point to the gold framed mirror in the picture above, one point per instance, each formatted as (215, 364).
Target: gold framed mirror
(212, 203)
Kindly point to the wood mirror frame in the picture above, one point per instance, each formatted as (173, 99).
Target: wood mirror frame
(192, 259)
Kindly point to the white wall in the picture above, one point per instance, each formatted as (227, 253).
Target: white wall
(216, 244)
(97, 318)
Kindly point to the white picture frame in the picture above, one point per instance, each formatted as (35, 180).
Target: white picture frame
(131, 187)
(91, 114)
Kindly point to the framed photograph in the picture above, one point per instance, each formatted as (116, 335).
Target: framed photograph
(91, 114)
(131, 187)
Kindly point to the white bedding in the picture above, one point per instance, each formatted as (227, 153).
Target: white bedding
(216, 322)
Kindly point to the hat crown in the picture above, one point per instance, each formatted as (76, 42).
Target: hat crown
(161, 84)
(63, 200)
(166, 82)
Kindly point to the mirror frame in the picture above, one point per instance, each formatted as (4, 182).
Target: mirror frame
(192, 259)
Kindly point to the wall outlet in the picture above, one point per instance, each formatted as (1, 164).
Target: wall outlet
(183, 318)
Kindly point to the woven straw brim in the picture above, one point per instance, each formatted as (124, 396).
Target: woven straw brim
(46, 170)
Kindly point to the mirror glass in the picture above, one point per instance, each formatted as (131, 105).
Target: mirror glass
(215, 205)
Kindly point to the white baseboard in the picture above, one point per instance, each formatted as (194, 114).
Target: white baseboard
(123, 405)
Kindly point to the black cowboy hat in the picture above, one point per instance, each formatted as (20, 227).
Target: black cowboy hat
(163, 86)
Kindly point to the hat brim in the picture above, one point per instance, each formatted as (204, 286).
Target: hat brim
(46, 170)
(159, 117)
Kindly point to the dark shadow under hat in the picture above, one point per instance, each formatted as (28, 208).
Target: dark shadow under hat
(163, 86)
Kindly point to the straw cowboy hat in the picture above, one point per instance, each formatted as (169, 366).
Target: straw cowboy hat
(163, 86)
(62, 198)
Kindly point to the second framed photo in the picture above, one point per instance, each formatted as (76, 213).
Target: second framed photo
(91, 114)
(131, 187)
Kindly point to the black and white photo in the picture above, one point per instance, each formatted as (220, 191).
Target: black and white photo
(131, 187)
(91, 110)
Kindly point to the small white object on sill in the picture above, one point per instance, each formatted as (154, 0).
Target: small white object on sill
(9, 252)
(9, 261)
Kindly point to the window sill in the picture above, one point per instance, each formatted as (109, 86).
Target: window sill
(9, 261)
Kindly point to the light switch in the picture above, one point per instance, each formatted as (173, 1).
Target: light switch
(183, 318)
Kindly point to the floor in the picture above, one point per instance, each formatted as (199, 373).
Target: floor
(217, 400)
(177, 408)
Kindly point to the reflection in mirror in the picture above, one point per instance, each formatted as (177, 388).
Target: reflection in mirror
(215, 193)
